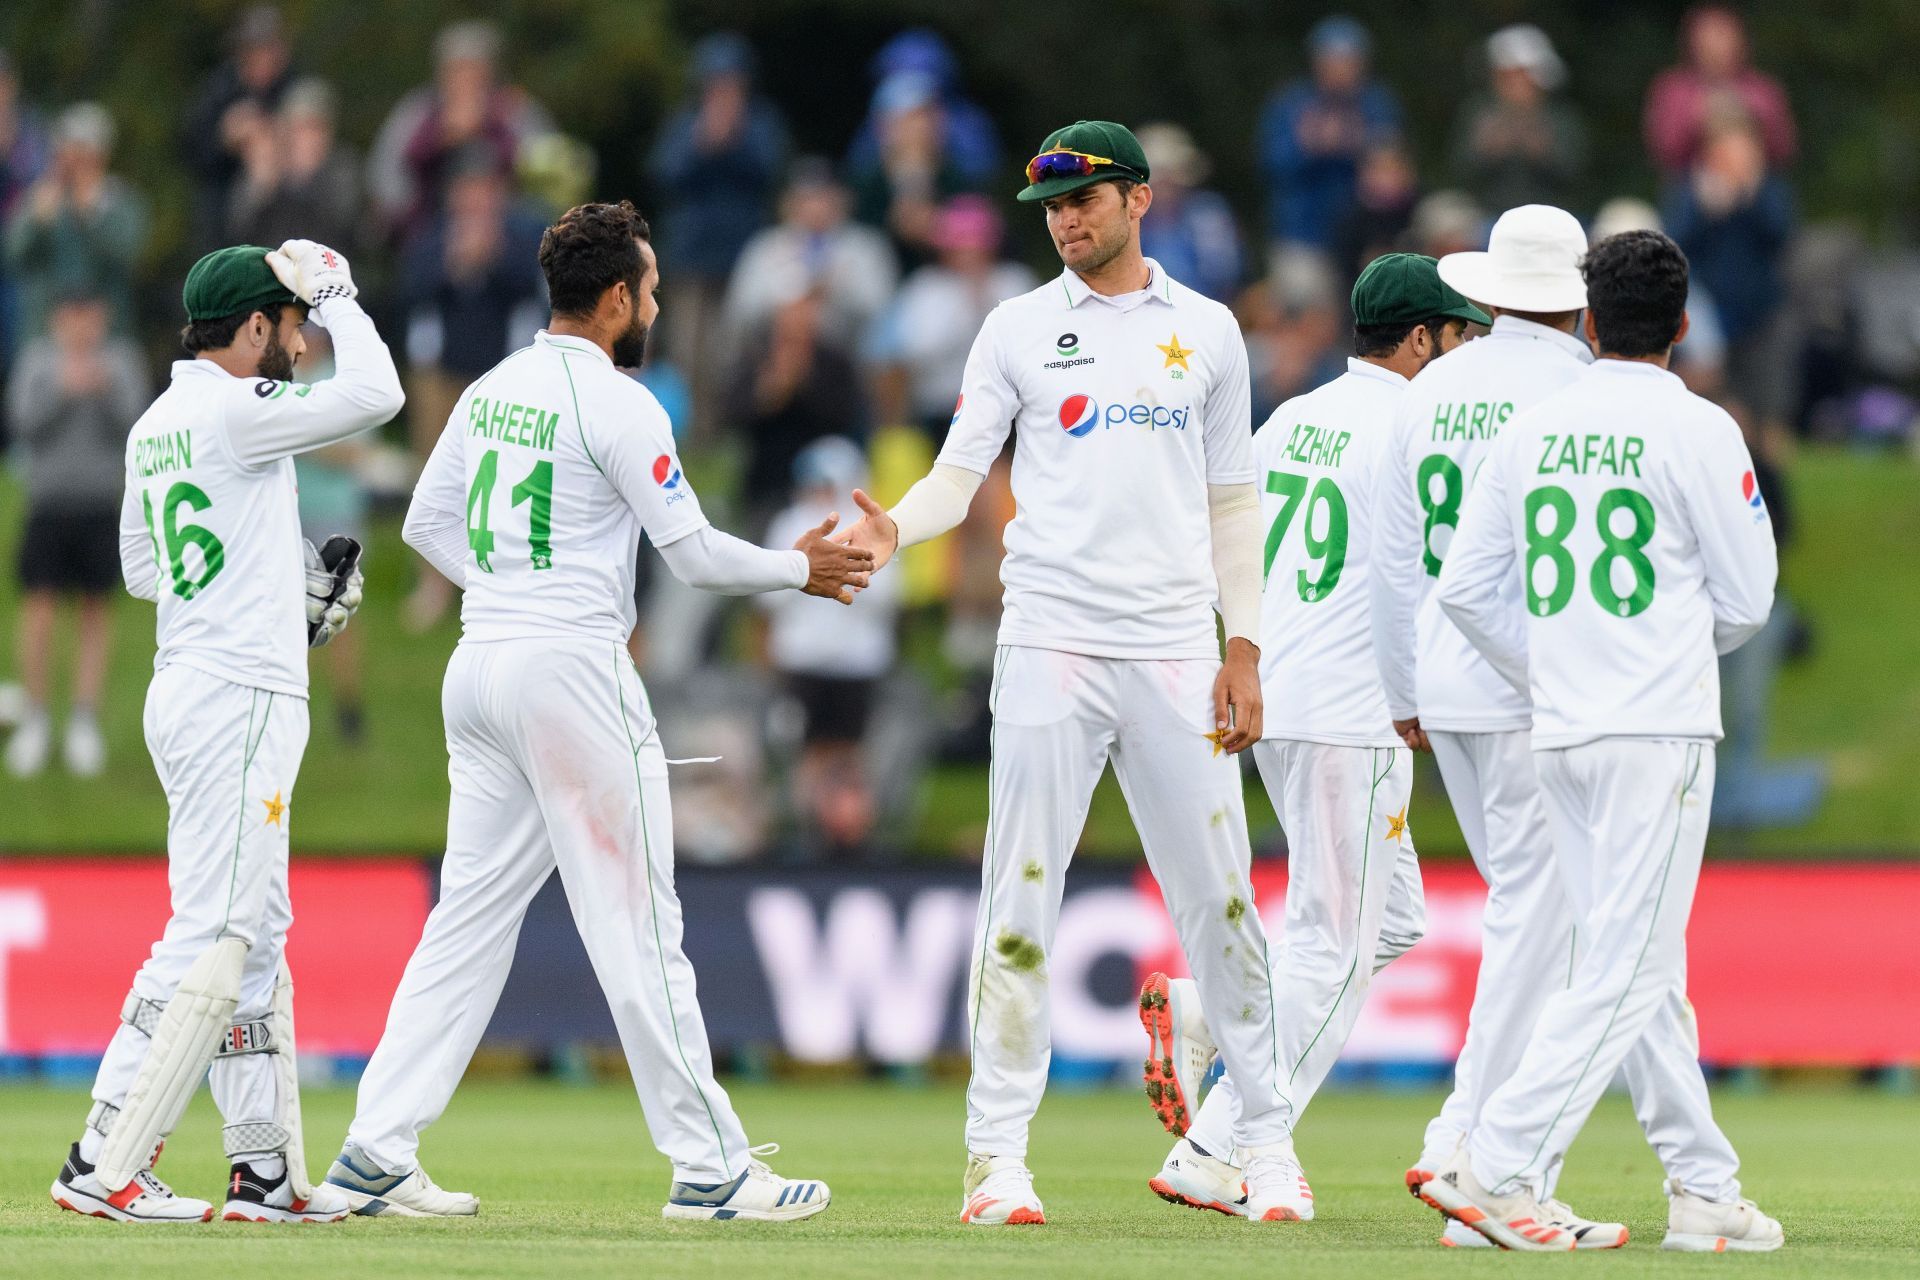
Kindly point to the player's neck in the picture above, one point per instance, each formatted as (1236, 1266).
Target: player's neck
(1125, 272)
(1662, 359)
(583, 328)
(232, 362)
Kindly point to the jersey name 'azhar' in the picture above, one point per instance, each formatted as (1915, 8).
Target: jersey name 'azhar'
(511, 423)
(1316, 446)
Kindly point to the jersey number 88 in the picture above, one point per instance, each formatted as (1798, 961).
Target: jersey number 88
(1546, 543)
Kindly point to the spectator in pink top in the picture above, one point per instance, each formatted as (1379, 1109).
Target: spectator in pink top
(1715, 82)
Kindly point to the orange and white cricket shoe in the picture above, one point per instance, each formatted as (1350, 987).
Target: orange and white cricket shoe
(254, 1197)
(1696, 1224)
(998, 1192)
(1180, 1049)
(1586, 1234)
(1193, 1178)
(1277, 1189)
(144, 1199)
(1516, 1221)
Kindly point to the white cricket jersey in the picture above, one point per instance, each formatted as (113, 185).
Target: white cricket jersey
(1123, 411)
(559, 461)
(1452, 413)
(1630, 506)
(1318, 456)
(210, 522)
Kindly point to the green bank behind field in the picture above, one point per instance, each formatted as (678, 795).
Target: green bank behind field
(1851, 570)
(570, 1185)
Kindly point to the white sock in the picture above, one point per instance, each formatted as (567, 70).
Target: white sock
(268, 1164)
(91, 1141)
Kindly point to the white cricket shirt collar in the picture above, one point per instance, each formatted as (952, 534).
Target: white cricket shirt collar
(198, 369)
(1362, 369)
(1515, 327)
(1634, 369)
(567, 342)
(1159, 286)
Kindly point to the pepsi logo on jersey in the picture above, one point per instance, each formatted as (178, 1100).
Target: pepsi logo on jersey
(1080, 414)
(666, 474)
(1750, 490)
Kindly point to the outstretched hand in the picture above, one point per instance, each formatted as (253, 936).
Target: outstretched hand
(834, 569)
(875, 531)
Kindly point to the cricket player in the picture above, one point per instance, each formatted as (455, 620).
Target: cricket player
(210, 531)
(1338, 774)
(533, 501)
(1128, 398)
(1441, 691)
(1627, 507)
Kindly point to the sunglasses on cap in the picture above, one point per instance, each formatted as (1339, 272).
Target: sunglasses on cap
(1062, 163)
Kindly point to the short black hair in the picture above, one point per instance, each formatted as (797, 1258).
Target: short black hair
(1637, 292)
(1377, 340)
(588, 251)
(218, 335)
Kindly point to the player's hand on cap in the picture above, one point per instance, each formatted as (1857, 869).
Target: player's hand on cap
(1238, 712)
(333, 593)
(312, 271)
(834, 569)
(874, 531)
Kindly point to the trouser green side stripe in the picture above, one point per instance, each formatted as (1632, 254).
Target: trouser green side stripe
(986, 882)
(249, 746)
(653, 906)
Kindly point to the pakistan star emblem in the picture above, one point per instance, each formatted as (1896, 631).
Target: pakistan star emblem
(1175, 353)
(1397, 825)
(276, 809)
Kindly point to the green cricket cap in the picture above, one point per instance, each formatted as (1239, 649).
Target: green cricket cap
(1406, 288)
(1113, 145)
(230, 281)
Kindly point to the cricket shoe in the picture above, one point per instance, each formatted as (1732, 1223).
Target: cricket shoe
(758, 1195)
(1277, 1189)
(376, 1192)
(1586, 1234)
(1180, 1049)
(145, 1199)
(1698, 1225)
(1516, 1221)
(254, 1197)
(1199, 1181)
(998, 1192)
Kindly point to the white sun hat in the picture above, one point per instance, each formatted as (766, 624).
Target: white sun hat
(1532, 262)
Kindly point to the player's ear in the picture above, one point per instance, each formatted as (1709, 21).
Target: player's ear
(1680, 334)
(1140, 199)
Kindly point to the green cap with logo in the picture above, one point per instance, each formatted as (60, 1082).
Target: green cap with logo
(1406, 288)
(230, 281)
(1084, 152)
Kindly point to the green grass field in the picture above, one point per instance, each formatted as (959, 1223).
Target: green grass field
(1851, 703)
(570, 1185)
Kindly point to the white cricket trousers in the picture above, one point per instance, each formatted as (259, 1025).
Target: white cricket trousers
(1628, 820)
(1057, 719)
(1527, 953)
(555, 760)
(1350, 865)
(227, 756)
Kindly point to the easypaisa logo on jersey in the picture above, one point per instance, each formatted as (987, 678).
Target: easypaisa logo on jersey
(1068, 345)
(1080, 414)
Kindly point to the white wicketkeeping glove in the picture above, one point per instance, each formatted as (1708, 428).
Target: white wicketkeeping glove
(312, 271)
(331, 602)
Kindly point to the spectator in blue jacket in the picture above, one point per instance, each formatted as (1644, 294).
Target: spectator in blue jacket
(1314, 131)
(718, 166)
(1192, 232)
(1734, 218)
(972, 145)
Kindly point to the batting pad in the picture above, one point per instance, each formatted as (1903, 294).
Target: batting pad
(183, 1045)
(286, 1070)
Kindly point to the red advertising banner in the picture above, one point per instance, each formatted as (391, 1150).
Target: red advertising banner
(73, 931)
(1786, 964)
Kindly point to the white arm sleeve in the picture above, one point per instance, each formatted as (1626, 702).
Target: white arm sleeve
(937, 502)
(284, 418)
(1478, 562)
(1396, 587)
(1234, 510)
(139, 558)
(725, 565)
(436, 524)
(1735, 537)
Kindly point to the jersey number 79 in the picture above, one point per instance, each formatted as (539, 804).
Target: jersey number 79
(1330, 549)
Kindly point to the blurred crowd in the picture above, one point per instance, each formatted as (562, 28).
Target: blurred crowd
(818, 310)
